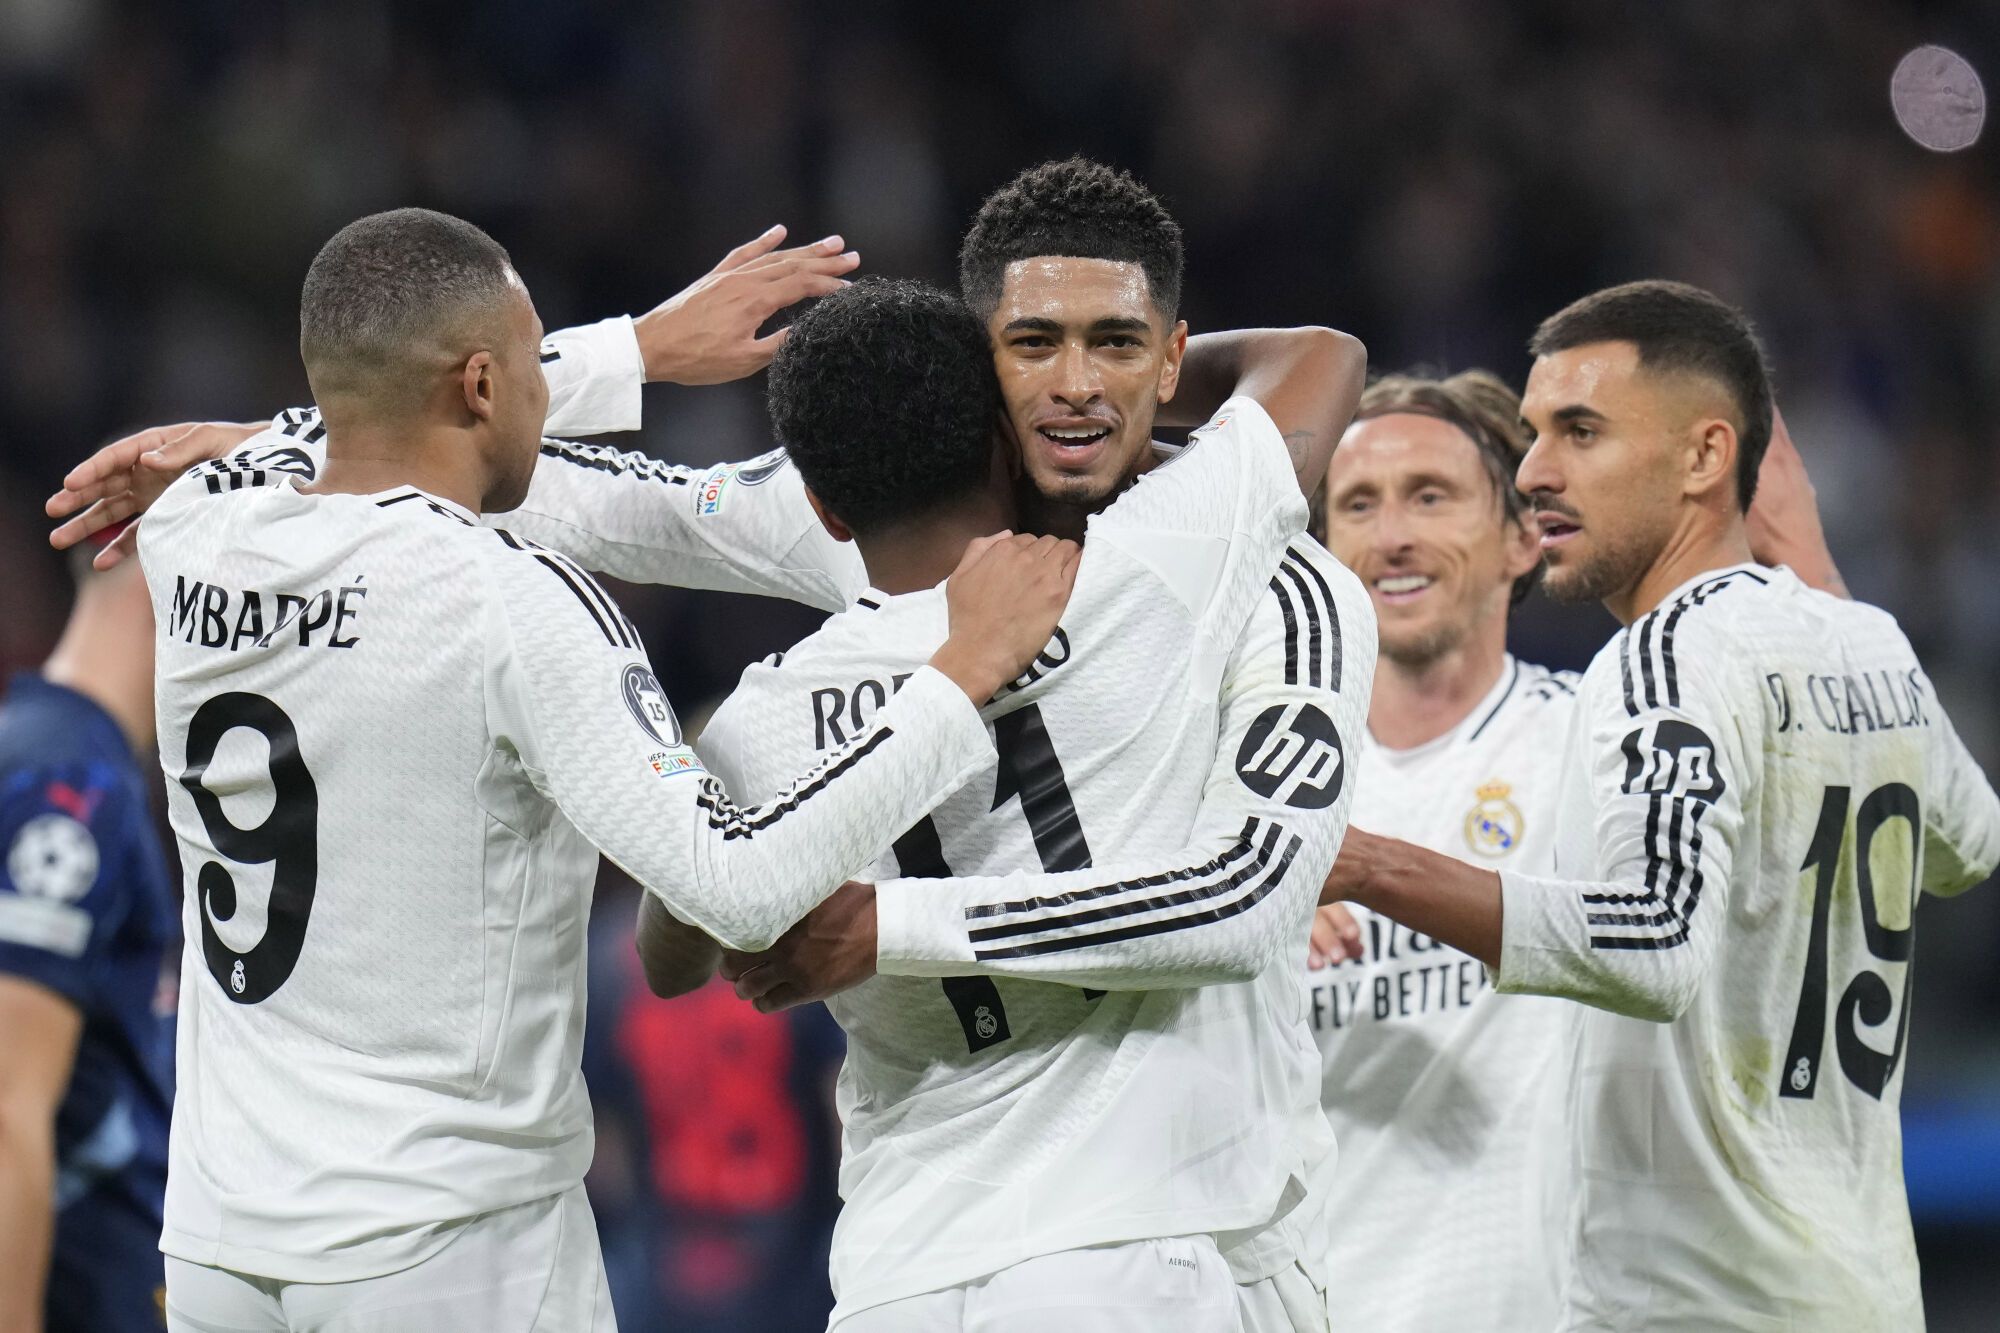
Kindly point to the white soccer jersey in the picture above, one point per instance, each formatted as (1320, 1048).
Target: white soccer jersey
(991, 1115)
(395, 742)
(1450, 1101)
(1759, 785)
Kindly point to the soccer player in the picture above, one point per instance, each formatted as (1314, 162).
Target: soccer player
(1448, 1100)
(1017, 1146)
(86, 922)
(396, 741)
(1758, 787)
(1080, 350)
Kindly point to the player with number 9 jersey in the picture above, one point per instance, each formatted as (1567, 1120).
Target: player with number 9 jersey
(1772, 786)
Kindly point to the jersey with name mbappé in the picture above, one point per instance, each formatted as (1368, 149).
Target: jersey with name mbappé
(983, 1115)
(1760, 784)
(1449, 1100)
(395, 742)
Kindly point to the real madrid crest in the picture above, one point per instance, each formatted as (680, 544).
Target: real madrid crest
(1494, 826)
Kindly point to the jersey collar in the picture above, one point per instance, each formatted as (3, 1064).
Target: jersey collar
(1763, 572)
(1471, 724)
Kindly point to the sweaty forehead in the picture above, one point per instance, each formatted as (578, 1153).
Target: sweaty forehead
(1075, 291)
(1585, 376)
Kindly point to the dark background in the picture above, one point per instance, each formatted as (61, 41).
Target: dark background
(1433, 175)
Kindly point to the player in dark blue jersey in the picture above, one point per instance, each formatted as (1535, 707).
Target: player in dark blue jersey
(86, 927)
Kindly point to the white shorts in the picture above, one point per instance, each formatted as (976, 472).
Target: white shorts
(1146, 1286)
(520, 1270)
(1285, 1302)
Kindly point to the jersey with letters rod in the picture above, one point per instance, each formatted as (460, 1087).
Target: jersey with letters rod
(1759, 787)
(992, 1117)
(395, 742)
(1450, 1101)
(86, 911)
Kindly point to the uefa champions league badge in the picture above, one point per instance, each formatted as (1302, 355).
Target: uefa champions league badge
(1494, 826)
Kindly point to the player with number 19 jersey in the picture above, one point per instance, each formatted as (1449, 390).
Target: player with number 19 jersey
(395, 741)
(1760, 784)
(991, 1116)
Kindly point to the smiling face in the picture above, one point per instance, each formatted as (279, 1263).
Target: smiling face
(1085, 358)
(1604, 478)
(1414, 511)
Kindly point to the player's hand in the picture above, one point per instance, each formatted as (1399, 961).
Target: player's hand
(122, 479)
(708, 333)
(1336, 937)
(1783, 523)
(1005, 599)
(830, 950)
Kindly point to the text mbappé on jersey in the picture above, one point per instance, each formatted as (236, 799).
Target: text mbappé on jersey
(212, 616)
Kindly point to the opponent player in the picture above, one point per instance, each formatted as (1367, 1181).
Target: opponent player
(397, 741)
(1016, 1146)
(1448, 1100)
(1758, 787)
(86, 922)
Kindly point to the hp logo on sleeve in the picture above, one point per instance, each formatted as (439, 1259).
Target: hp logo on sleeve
(1293, 754)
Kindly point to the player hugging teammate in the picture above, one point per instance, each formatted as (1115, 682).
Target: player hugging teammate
(1591, 1057)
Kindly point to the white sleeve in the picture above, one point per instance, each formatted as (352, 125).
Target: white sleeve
(1212, 521)
(1237, 896)
(1668, 782)
(735, 527)
(1961, 816)
(570, 694)
(596, 374)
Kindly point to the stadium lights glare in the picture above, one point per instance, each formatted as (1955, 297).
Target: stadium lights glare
(1938, 99)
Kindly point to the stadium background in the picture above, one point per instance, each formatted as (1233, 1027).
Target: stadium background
(1433, 176)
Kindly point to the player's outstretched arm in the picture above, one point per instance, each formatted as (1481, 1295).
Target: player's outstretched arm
(1783, 523)
(1637, 937)
(572, 697)
(42, 1028)
(1217, 910)
(1308, 379)
(1961, 818)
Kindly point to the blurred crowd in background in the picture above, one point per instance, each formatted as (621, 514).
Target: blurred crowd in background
(1434, 177)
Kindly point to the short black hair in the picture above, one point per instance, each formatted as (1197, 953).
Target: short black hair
(1679, 328)
(884, 395)
(386, 285)
(1077, 208)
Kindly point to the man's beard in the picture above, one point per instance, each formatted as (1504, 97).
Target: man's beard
(1612, 570)
(1425, 649)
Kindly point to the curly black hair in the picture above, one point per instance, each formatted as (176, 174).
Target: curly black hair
(885, 396)
(1073, 207)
